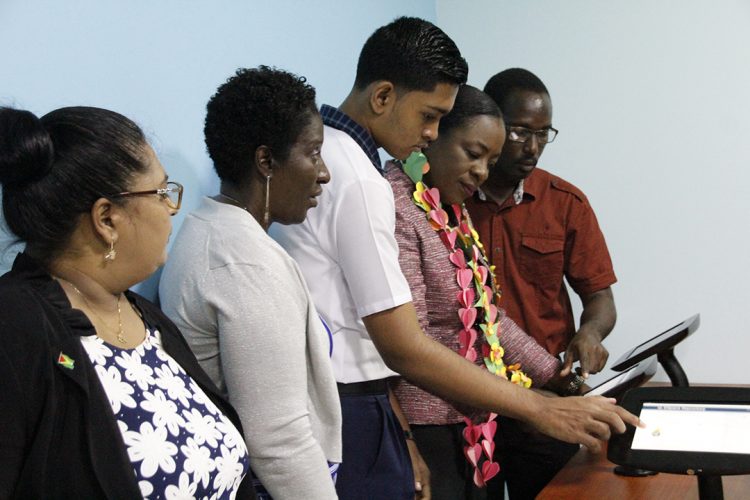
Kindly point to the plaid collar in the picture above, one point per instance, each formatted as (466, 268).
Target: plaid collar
(333, 117)
(517, 194)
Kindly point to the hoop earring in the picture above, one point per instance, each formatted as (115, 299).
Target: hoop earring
(267, 212)
(112, 254)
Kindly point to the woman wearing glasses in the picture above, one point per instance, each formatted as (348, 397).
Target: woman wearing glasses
(240, 298)
(101, 396)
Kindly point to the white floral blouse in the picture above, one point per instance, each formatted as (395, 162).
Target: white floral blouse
(180, 444)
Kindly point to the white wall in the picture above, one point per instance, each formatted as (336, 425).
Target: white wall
(158, 62)
(652, 99)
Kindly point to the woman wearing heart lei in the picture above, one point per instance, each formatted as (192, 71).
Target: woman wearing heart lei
(455, 292)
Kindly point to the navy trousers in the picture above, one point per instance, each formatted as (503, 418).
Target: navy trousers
(375, 463)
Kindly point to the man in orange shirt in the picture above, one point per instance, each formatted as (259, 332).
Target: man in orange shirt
(537, 230)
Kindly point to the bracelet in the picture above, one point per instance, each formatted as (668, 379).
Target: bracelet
(409, 435)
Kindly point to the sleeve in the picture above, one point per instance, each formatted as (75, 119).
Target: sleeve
(588, 266)
(14, 415)
(263, 343)
(410, 259)
(367, 247)
(519, 347)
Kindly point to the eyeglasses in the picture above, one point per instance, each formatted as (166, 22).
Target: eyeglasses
(172, 194)
(523, 134)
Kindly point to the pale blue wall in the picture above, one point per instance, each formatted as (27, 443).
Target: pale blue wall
(158, 62)
(652, 99)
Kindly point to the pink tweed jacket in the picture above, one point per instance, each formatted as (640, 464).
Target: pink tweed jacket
(432, 278)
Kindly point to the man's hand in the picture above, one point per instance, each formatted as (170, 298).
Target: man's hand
(582, 420)
(597, 320)
(586, 347)
(421, 472)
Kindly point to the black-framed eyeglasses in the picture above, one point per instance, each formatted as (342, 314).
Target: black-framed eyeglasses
(172, 194)
(523, 134)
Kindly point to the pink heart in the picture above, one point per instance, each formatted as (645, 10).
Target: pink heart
(490, 470)
(476, 253)
(466, 297)
(491, 313)
(489, 429)
(457, 211)
(438, 218)
(482, 274)
(464, 278)
(468, 316)
(489, 293)
(488, 446)
(478, 479)
(449, 239)
(458, 259)
(464, 229)
(466, 339)
(432, 197)
(471, 355)
(473, 454)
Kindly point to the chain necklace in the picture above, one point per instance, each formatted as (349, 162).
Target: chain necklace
(234, 201)
(120, 333)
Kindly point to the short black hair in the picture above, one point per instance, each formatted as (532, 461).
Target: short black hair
(54, 168)
(502, 84)
(470, 102)
(411, 53)
(256, 107)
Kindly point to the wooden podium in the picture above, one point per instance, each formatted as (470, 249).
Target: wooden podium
(589, 477)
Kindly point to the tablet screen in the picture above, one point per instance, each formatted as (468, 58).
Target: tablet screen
(698, 427)
(665, 340)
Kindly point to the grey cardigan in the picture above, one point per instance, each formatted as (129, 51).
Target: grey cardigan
(244, 307)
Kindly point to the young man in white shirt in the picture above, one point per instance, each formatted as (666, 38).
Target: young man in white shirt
(407, 79)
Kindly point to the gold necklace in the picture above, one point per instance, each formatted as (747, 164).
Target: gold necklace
(120, 332)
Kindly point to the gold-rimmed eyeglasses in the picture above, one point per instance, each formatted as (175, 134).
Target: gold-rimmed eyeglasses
(172, 194)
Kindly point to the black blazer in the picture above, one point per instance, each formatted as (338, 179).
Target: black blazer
(58, 435)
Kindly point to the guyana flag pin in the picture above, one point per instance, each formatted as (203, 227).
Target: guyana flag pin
(65, 361)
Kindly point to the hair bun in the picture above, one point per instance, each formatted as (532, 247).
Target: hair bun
(26, 150)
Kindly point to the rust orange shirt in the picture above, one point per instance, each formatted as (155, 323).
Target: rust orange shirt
(552, 233)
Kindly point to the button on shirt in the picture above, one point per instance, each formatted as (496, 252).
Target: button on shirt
(549, 231)
(347, 250)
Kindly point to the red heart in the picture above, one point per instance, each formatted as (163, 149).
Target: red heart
(464, 227)
(473, 454)
(466, 297)
(464, 278)
(478, 479)
(467, 316)
(468, 434)
(488, 446)
(457, 211)
(458, 259)
(466, 339)
(489, 470)
(448, 238)
(432, 197)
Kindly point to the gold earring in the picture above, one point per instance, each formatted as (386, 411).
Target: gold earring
(266, 212)
(110, 256)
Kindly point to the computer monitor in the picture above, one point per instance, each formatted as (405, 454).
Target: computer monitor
(658, 344)
(689, 430)
(636, 375)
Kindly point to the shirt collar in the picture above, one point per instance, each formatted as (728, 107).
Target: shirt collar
(334, 117)
(517, 194)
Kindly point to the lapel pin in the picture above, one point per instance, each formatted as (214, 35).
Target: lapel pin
(65, 361)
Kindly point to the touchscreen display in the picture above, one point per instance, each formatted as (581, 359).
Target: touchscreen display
(702, 427)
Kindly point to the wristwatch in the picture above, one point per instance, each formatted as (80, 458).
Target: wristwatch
(574, 385)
